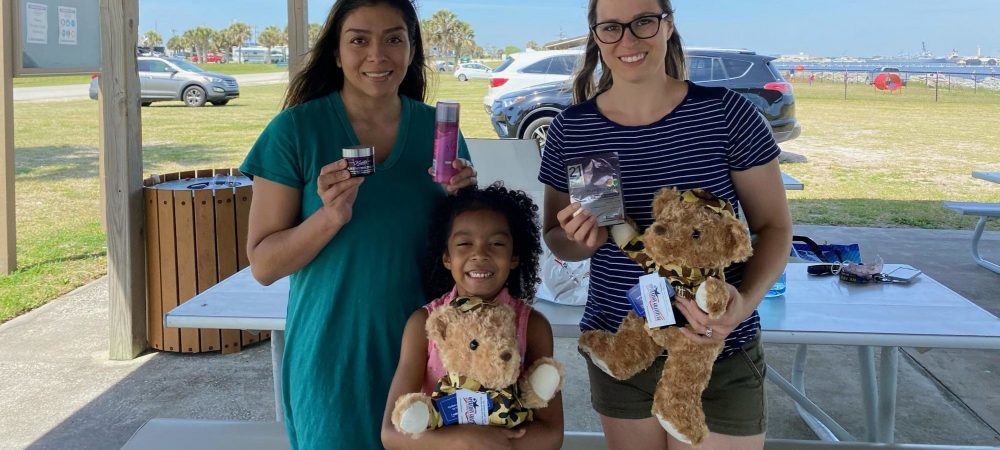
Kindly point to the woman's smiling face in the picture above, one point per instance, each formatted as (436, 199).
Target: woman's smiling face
(374, 51)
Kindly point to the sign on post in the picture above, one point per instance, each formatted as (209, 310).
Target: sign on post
(57, 37)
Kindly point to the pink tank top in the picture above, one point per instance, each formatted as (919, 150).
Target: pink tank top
(436, 370)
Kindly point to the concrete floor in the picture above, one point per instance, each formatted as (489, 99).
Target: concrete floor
(60, 391)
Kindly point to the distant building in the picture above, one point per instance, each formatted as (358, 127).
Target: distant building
(564, 44)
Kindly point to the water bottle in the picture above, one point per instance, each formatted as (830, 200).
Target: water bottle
(445, 140)
(779, 287)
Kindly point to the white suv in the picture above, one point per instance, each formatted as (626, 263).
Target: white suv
(522, 70)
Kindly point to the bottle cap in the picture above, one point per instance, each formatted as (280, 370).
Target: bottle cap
(446, 111)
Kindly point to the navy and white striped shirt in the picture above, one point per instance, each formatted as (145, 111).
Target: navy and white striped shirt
(712, 132)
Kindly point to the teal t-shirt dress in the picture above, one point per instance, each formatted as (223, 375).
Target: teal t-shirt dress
(347, 308)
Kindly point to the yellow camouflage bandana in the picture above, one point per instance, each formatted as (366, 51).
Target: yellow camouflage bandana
(506, 410)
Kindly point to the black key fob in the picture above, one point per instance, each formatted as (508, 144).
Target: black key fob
(822, 269)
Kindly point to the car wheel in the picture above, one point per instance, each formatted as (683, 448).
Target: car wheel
(537, 130)
(462, 77)
(194, 96)
(221, 103)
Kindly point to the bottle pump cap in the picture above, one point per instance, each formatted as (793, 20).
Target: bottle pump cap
(446, 111)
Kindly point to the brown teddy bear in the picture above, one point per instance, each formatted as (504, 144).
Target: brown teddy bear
(477, 344)
(694, 236)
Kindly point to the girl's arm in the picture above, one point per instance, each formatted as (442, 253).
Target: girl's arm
(546, 430)
(570, 238)
(410, 378)
(277, 244)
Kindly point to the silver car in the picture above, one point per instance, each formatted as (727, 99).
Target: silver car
(164, 79)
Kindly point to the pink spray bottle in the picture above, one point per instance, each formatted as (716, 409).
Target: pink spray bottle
(445, 140)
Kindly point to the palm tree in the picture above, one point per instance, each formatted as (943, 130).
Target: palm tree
(152, 39)
(234, 36)
(271, 37)
(440, 28)
(314, 30)
(201, 39)
(177, 43)
(463, 38)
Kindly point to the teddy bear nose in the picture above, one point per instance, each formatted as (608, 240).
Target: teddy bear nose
(505, 356)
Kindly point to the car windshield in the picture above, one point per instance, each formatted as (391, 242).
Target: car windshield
(186, 66)
(504, 64)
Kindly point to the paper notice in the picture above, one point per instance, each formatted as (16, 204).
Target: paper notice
(67, 25)
(36, 23)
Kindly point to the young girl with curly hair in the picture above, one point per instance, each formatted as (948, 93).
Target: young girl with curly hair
(484, 243)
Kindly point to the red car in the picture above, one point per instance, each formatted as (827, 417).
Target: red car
(211, 58)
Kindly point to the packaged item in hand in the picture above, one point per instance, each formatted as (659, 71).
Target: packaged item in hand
(595, 182)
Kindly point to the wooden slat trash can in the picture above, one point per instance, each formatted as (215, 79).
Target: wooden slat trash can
(196, 235)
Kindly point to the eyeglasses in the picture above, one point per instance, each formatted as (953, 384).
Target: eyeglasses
(643, 27)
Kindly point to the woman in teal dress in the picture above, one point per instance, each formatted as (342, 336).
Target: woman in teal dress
(353, 246)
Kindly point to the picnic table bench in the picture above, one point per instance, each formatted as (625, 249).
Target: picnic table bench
(188, 434)
(984, 211)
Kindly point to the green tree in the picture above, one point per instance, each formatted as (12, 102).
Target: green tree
(444, 31)
(314, 30)
(233, 36)
(533, 45)
(464, 40)
(201, 39)
(511, 49)
(152, 39)
(177, 43)
(271, 37)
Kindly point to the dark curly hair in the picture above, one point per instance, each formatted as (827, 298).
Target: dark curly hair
(522, 217)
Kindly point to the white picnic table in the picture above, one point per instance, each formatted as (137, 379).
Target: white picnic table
(814, 310)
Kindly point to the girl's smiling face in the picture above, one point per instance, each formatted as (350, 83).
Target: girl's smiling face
(480, 253)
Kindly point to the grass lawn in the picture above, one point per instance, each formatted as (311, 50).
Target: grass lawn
(229, 69)
(873, 160)
(889, 160)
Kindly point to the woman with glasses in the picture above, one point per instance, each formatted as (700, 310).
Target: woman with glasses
(667, 132)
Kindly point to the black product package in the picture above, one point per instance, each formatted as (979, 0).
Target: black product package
(595, 182)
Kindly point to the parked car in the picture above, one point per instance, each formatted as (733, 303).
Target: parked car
(209, 58)
(445, 66)
(472, 70)
(164, 79)
(527, 113)
(522, 70)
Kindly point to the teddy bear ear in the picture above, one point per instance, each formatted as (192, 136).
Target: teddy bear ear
(437, 324)
(662, 197)
(739, 240)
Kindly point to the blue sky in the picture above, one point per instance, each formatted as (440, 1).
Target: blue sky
(830, 28)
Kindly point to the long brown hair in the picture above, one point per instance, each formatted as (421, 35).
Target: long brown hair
(583, 84)
(321, 76)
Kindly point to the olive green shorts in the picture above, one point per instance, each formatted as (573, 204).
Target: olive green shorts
(733, 402)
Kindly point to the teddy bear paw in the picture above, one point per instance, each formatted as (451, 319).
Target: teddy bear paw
(712, 297)
(412, 414)
(546, 379)
(593, 343)
(672, 430)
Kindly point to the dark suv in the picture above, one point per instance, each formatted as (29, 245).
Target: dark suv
(528, 113)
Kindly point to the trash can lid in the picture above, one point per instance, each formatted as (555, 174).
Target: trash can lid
(194, 184)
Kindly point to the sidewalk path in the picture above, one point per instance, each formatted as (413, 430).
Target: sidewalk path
(81, 91)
